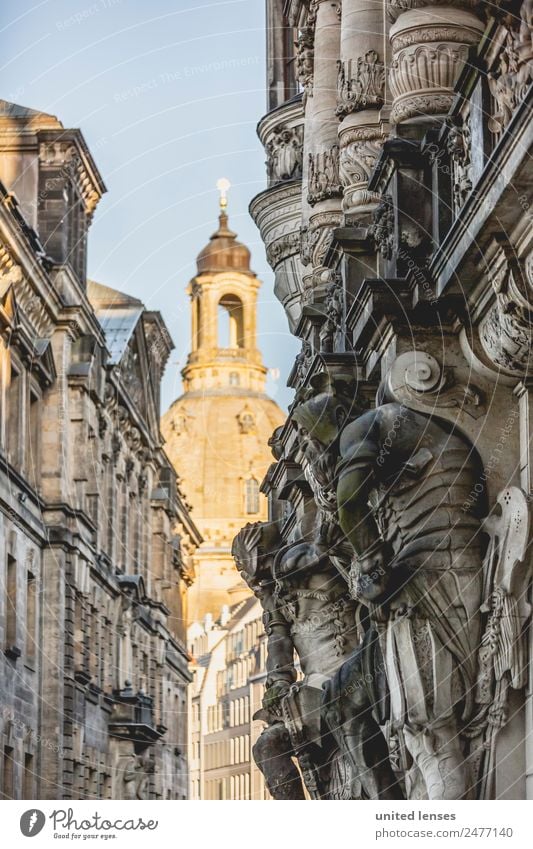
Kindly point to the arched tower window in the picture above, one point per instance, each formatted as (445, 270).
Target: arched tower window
(251, 496)
(230, 322)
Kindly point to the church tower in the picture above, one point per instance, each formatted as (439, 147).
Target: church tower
(217, 431)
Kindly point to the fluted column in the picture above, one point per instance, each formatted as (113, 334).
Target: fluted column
(321, 175)
(360, 97)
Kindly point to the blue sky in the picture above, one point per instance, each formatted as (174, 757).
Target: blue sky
(168, 94)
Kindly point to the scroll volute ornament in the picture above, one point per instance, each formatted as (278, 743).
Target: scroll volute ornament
(418, 381)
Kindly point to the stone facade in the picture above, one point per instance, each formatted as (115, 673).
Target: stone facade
(95, 536)
(395, 562)
(229, 674)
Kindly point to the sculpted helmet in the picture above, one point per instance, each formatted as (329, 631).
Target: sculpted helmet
(326, 405)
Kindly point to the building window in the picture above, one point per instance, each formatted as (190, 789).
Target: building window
(234, 378)
(11, 604)
(14, 442)
(252, 496)
(28, 792)
(33, 458)
(31, 618)
(8, 784)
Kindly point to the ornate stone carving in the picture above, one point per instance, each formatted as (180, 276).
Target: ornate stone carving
(284, 151)
(316, 237)
(135, 771)
(323, 176)
(506, 332)
(303, 361)
(334, 309)
(360, 84)
(306, 609)
(458, 143)
(511, 79)
(30, 304)
(503, 650)
(305, 59)
(277, 213)
(429, 51)
(284, 247)
(408, 535)
(397, 7)
(359, 150)
(382, 228)
(417, 380)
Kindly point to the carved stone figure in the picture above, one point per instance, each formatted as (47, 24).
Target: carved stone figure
(506, 331)
(135, 771)
(307, 609)
(382, 228)
(403, 481)
(503, 650)
(354, 696)
(459, 142)
(334, 307)
(510, 80)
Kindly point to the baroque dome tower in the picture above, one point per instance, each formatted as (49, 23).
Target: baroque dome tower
(217, 431)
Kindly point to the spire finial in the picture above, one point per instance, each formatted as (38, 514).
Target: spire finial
(223, 185)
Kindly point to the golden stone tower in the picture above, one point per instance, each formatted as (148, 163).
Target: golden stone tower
(217, 431)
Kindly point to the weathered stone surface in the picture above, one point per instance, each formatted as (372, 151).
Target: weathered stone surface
(93, 660)
(406, 452)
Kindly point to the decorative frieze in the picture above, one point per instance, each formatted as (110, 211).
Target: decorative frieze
(360, 84)
(323, 176)
(282, 248)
